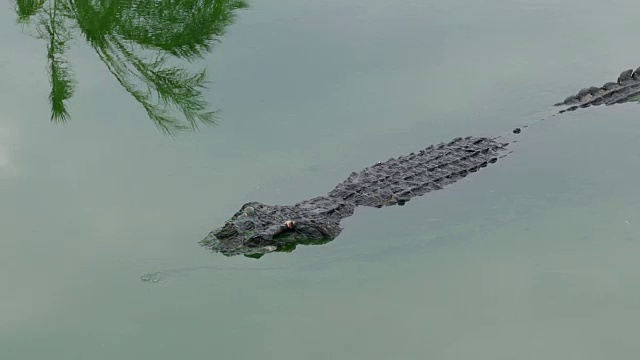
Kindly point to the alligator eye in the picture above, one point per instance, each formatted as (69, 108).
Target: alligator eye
(249, 211)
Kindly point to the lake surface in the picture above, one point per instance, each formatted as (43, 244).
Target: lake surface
(533, 258)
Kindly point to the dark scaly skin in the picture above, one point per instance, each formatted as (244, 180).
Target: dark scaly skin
(257, 228)
(626, 89)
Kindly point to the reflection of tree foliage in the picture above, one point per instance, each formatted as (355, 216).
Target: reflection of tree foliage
(187, 30)
(53, 29)
(27, 8)
(137, 40)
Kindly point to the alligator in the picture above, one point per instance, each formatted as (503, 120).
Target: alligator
(257, 229)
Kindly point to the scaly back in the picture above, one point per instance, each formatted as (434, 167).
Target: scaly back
(395, 181)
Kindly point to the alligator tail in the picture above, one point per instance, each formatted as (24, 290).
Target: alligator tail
(626, 89)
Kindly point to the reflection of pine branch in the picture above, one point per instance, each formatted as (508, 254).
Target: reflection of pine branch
(183, 28)
(165, 122)
(173, 87)
(117, 30)
(52, 28)
(27, 8)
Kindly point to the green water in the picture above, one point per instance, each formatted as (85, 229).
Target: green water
(533, 258)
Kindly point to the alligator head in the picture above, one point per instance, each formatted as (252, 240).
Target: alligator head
(257, 229)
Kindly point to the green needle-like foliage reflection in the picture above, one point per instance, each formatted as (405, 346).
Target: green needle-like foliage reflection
(139, 41)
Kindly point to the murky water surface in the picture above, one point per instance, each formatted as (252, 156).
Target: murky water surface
(533, 258)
